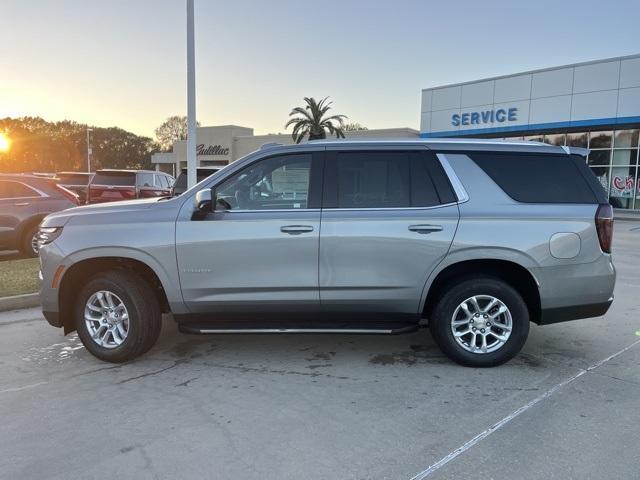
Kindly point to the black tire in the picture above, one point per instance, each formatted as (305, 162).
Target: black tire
(441, 317)
(145, 316)
(26, 247)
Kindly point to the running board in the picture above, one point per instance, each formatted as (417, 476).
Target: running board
(375, 329)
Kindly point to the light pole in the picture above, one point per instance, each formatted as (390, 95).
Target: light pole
(191, 99)
(89, 130)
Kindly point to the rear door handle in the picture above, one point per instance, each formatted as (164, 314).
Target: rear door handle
(21, 204)
(425, 228)
(296, 229)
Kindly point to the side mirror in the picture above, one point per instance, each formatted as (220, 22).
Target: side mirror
(202, 203)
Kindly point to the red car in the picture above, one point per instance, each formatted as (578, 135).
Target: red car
(116, 185)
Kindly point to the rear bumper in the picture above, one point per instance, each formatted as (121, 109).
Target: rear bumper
(564, 314)
(570, 292)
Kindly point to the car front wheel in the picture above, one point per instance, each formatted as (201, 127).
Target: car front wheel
(480, 322)
(117, 316)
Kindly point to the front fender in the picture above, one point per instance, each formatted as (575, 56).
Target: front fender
(162, 262)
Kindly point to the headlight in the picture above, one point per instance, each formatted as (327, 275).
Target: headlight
(47, 235)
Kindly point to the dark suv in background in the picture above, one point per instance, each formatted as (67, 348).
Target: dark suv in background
(180, 185)
(116, 185)
(24, 201)
(77, 182)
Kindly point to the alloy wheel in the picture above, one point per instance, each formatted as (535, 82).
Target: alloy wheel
(107, 319)
(481, 324)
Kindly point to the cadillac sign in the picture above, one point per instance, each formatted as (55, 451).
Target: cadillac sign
(203, 149)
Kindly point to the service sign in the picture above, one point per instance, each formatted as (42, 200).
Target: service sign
(485, 117)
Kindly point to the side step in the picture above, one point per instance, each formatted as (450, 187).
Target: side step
(375, 328)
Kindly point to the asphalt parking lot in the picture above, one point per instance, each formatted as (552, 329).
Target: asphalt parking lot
(319, 407)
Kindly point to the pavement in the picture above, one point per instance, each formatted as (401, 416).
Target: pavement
(328, 406)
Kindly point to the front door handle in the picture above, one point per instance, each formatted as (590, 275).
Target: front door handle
(425, 228)
(21, 204)
(296, 229)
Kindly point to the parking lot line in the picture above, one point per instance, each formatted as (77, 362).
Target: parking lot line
(496, 426)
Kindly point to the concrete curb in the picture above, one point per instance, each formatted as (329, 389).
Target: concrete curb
(18, 302)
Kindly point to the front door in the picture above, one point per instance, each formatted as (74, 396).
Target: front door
(258, 251)
(388, 219)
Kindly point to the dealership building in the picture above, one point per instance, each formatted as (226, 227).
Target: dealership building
(594, 105)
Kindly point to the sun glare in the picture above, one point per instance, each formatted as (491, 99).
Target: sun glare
(5, 143)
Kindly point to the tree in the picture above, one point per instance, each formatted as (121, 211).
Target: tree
(353, 127)
(309, 121)
(173, 129)
(41, 146)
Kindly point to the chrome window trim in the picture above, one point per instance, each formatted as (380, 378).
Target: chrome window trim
(458, 188)
(368, 209)
(271, 210)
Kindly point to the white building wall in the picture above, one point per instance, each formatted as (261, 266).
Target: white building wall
(603, 92)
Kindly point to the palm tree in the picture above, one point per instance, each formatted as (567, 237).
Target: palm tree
(310, 121)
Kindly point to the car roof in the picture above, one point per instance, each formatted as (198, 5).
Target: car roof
(124, 170)
(439, 144)
(24, 176)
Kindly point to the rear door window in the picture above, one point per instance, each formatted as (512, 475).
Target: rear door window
(385, 179)
(536, 178)
(145, 180)
(373, 180)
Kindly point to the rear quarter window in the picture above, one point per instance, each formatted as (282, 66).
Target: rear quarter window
(536, 178)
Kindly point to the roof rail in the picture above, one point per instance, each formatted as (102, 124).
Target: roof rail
(583, 152)
(271, 145)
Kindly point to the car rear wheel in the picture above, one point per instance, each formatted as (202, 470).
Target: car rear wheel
(480, 322)
(117, 316)
(29, 245)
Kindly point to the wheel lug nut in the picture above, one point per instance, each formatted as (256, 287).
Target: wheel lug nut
(472, 320)
(474, 329)
(488, 324)
(482, 330)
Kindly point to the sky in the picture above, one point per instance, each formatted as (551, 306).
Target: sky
(123, 62)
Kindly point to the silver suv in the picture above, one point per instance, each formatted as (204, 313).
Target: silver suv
(473, 238)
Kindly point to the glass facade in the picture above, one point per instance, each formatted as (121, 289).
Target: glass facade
(613, 158)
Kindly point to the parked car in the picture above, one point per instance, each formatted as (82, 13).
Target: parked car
(116, 185)
(24, 201)
(474, 238)
(180, 185)
(77, 182)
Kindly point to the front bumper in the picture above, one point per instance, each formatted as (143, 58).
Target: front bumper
(53, 318)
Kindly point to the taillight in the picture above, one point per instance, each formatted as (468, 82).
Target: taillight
(73, 197)
(604, 226)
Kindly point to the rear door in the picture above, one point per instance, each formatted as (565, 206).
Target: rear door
(388, 218)
(18, 202)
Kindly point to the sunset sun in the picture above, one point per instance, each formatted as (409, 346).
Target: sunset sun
(5, 143)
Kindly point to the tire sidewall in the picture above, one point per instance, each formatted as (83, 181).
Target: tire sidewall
(27, 238)
(131, 344)
(441, 322)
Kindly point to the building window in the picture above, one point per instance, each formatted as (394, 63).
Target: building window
(600, 139)
(555, 139)
(626, 138)
(599, 157)
(578, 139)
